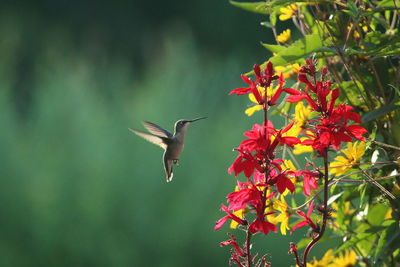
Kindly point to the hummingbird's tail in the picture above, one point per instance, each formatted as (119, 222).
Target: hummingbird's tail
(168, 167)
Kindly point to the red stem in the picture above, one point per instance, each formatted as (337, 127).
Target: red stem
(248, 253)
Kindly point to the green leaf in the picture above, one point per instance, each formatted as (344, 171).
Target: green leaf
(256, 7)
(374, 114)
(297, 51)
(273, 48)
(386, 239)
(353, 241)
(376, 214)
(362, 188)
(272, 18)
(303, 243)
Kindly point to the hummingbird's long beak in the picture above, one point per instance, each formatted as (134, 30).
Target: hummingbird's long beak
(197, 119)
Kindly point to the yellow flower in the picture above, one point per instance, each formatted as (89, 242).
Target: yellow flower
(388, 214)
(300, 149)
(326, 259)
(283, 217)
(347, 210)
(294, 131)
(240, 213)
(284, 36)
(287, 12)
(289, 166)
(353, 155)
(302, 114)
(348, 259)
(287, 70)
(250, 111)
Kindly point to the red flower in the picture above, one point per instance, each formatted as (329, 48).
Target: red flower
(230, 215)
(245, 162)
(246, 90)
(264, 79)
(307, 220)
(262, 225)
(266, 76)
(284, 182)
(278, 92)
(246, 195)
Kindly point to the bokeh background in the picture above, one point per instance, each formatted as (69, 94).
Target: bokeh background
(76, 187)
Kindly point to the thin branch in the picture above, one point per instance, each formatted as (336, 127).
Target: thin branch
(385, 145)
(376, 179)
(384, 190)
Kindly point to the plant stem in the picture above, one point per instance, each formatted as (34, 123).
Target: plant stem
(248, 252)
(324, 214)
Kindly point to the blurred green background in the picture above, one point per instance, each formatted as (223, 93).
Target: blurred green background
(77, 188)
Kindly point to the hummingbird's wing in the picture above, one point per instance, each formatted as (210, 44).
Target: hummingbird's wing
(156, 130)
(158, 140)
(168, 167)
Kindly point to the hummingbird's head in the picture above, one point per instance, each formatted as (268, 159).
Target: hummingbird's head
(182, 125)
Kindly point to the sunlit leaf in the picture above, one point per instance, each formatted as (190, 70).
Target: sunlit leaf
(334, 198)
(299, 50)
(273, 48)
(256, 7)
(376, 214)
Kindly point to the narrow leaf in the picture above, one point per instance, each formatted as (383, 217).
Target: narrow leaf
(374, 114)
(256, 7)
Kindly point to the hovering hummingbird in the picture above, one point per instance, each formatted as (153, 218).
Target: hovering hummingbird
(171, 143)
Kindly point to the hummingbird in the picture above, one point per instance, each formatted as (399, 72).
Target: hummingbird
(171, 143)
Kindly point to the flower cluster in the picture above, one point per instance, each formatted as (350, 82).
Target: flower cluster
(332, 127)
(258, 204)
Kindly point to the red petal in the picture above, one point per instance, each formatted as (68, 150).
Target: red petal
(295, 98)
(334, 96)
(290, 140)
(275, 97)
(220, 223)
(246, 79)
(257, 70)
(241, 91)
(299, 225)
(292, 91)
(357, 131)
